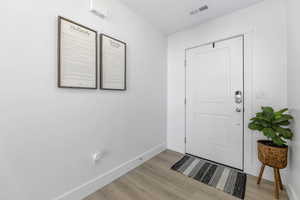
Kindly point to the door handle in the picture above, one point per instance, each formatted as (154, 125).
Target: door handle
(238, 109)
(238, 97)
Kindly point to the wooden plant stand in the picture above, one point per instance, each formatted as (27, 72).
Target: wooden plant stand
(275, 157)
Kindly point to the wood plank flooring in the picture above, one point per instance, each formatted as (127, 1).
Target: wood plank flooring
(155, 181)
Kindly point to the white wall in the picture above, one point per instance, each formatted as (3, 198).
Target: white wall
(293, 44)
(48, 134)
(265, 25)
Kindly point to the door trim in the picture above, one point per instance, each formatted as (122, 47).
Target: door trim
(185, 88)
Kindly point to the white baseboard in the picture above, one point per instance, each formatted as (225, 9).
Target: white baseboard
(291, 193)
(268, 175)
(93, 185)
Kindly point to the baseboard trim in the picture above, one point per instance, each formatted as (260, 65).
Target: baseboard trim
(291, 193)
(95, 184)
(268, 175)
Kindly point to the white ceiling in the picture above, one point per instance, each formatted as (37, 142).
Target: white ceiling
(173, 15)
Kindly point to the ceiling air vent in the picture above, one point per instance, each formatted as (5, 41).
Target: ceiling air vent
(203, 8)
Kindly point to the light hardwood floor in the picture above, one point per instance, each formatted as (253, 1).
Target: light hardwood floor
(155, 181)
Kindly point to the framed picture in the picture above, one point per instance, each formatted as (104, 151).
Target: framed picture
(77, 55)
(113, 63)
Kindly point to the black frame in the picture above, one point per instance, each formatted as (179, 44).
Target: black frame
(101, 63)
(59, 54)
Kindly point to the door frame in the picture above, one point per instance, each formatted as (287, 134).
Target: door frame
(185, 88)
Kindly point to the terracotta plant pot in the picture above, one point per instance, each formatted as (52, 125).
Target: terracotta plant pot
(271, 155)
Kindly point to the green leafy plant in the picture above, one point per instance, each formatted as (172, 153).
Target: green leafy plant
(274, 125)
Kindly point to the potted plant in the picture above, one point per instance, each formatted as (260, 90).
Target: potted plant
(274, 151)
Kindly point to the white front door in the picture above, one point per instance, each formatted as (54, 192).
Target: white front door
(214, 106)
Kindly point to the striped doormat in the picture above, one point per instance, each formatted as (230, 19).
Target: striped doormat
(227, 179)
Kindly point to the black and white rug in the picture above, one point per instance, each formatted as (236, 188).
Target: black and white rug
(227, 179)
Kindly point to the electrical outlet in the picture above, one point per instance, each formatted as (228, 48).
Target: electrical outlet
(97, 156)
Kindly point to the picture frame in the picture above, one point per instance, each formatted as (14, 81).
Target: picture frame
(77, 55)
(113, 66)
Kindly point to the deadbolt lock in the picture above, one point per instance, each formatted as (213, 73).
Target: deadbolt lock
(238, 97)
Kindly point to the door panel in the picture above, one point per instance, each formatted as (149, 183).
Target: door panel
(214, 128)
